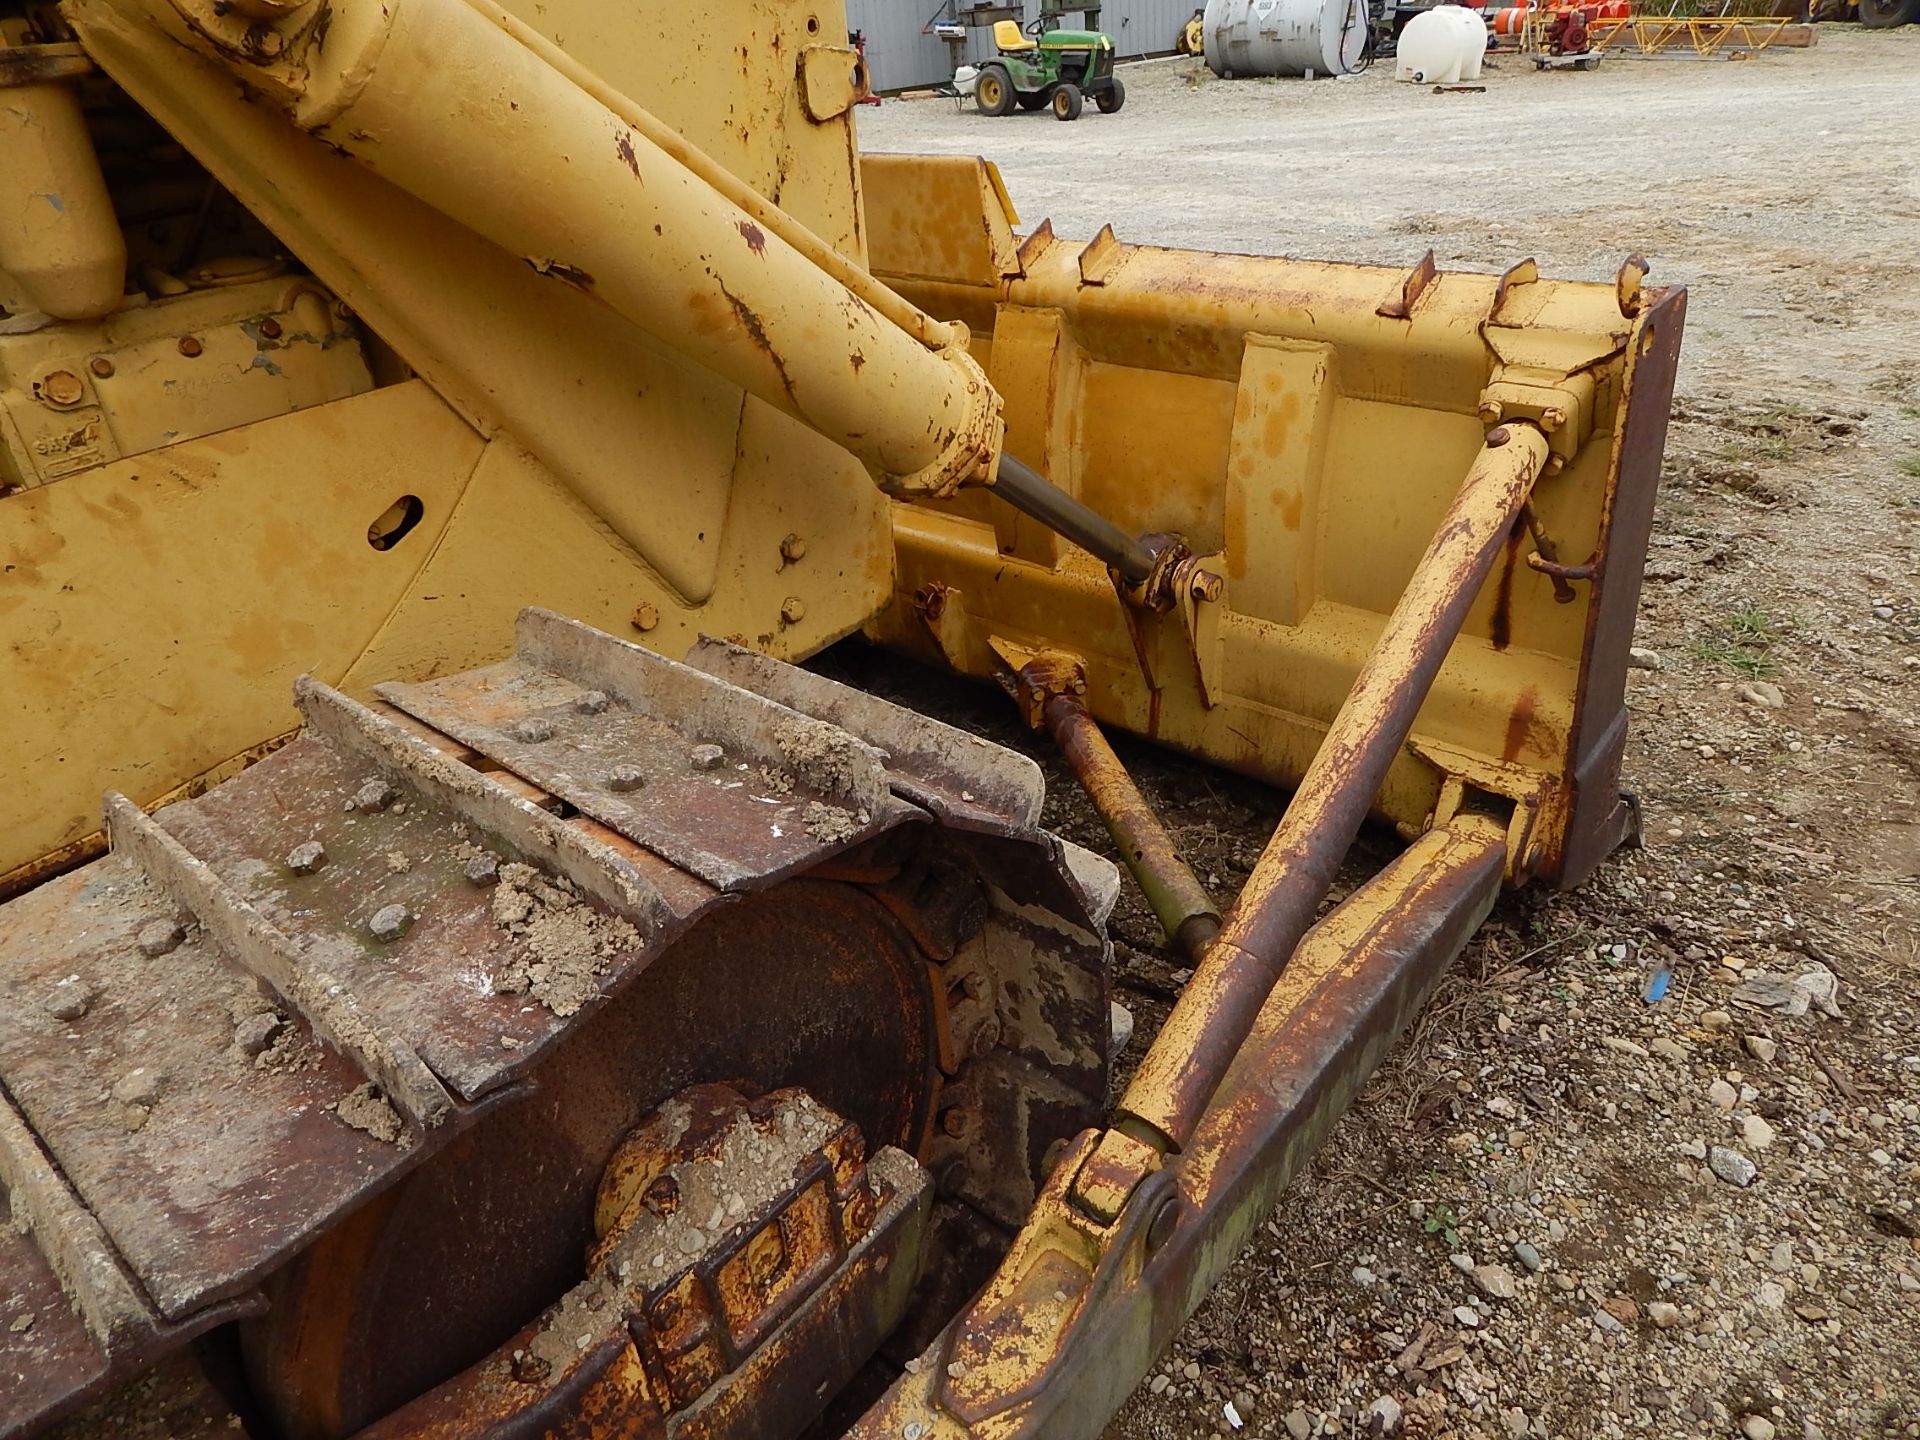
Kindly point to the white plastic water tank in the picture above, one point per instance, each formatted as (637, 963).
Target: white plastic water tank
(1284, 37)
(1441, 46)
(1474, 35)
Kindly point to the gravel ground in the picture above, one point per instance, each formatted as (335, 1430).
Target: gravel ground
(1560, 1210)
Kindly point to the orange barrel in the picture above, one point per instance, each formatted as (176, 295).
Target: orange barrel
(1511, 21)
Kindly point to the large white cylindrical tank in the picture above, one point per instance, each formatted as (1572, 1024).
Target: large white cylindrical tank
(1441, 47)
(1284, 37)
(1473, 38)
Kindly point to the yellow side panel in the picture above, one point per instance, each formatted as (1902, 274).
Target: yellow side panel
(521, 538)
(156, 610)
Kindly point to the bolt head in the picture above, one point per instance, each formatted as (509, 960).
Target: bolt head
(270, 329)
(662, 1197)
(375, 795)
(160, 937)
(190, 346)
(530, 1369)
(1207, 585)
(1491, 411)
(645, 615)
(101, 366)
(263, 42)
(70, 999)
(62, 387)
(306, 857)
(793, 610)
(624, 779)
(793, 548)
(390, 922)
(1497, 438)
(985, 1039)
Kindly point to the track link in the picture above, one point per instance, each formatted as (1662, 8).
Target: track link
(269, 1003)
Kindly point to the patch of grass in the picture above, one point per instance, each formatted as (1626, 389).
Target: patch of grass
(1742, 640)
(1754, 624)
(1911, 466)
(1718, 652)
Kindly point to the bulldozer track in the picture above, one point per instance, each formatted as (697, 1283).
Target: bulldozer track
(301, 985)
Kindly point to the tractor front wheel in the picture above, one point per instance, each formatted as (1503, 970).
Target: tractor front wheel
(1067, 101)
(993, 92)
(1885, 14)
(1111, 98)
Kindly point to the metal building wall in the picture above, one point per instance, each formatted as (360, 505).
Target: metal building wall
(1145, 27)
(901, 57)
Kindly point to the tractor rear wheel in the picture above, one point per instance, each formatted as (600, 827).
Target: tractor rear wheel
(1111, 98)
(1067, 101)
(1885, 14)
(993, 92)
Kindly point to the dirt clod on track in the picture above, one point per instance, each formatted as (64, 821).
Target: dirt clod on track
(365, 1108)
(1774, 751)
(569, 941)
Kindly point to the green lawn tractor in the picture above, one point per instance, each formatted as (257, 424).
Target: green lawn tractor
(1057, 68)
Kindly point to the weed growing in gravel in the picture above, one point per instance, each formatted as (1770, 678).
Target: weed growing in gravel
(1911, 465)
(1443, 1222)
(1743, 641)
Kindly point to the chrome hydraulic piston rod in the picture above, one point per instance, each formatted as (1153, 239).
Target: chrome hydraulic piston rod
(1033, 494)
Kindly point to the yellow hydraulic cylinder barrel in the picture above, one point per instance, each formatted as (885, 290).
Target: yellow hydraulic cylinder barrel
(439, 99)
(59, 239)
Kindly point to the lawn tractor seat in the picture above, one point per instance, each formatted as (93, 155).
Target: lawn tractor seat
(1007, 37)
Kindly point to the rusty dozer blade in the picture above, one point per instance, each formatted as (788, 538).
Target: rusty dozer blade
(1362, 493)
